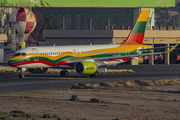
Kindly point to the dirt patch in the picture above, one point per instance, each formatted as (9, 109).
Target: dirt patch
(151, 102)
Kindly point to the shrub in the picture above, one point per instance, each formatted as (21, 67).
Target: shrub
(57, 89)
(3, 73)
(150, 82)
(96, 86)
(73, 98)
(3, 115)
(46, 116)
(132, 84)
(105, 84)
(88, 85)
(74, 87)
(94, 100)
(79, 86)
(116, 119)
(19, 113)
(28, 116)
(54, 116)
(117, 84)
(142, 82)
(123, 83)
(82, 85)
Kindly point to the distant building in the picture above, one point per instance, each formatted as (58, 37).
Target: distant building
(5, 52)
(96, 14)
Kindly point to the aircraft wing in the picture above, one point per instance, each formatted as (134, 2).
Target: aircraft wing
(155, 48)
(127, 56)
(120, 57)
(114, 57)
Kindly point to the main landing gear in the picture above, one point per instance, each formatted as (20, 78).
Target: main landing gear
(96, 74)
(21, 75)
(64, 73)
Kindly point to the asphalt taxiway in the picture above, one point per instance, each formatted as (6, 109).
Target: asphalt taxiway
(41, 82)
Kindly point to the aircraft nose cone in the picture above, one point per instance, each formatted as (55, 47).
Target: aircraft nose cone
(9, 63)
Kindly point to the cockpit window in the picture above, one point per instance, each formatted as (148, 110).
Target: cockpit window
(23, 54)
(17, 54)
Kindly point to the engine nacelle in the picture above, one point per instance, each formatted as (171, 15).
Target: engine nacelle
(85, 67)
(37, 70)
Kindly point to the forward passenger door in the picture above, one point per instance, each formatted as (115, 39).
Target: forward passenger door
(36, 54)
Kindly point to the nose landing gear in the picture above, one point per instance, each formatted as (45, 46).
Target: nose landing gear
(21, 75)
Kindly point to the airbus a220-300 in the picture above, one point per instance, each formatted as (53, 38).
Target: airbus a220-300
(85, 59)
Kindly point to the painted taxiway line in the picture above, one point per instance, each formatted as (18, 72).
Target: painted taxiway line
(61, 78)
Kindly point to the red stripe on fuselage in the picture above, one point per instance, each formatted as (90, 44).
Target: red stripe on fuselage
(40, 61)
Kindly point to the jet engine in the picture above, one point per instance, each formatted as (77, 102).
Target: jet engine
(37, 70)
(85, 67)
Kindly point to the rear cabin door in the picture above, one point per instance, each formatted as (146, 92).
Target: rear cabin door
(127, 50)
(74, 52)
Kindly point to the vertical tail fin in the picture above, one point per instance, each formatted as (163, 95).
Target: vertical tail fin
(136, 35)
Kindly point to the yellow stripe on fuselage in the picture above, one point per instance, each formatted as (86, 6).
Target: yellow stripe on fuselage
(143, 16)
(16, 57)
(122, 48)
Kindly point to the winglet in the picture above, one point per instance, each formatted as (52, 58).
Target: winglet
(170, 50)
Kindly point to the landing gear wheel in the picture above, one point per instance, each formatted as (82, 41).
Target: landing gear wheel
(21, 73)
(21, 76)
(96, 74)
(64, 73)
(91, 75)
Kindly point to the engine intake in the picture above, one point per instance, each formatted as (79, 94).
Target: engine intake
(85, 67)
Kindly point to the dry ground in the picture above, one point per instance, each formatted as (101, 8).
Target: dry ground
(7, 70)
(149, 103)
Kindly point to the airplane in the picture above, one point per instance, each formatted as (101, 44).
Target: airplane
(85, 59)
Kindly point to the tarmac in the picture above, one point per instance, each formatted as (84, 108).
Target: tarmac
(34, 82)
